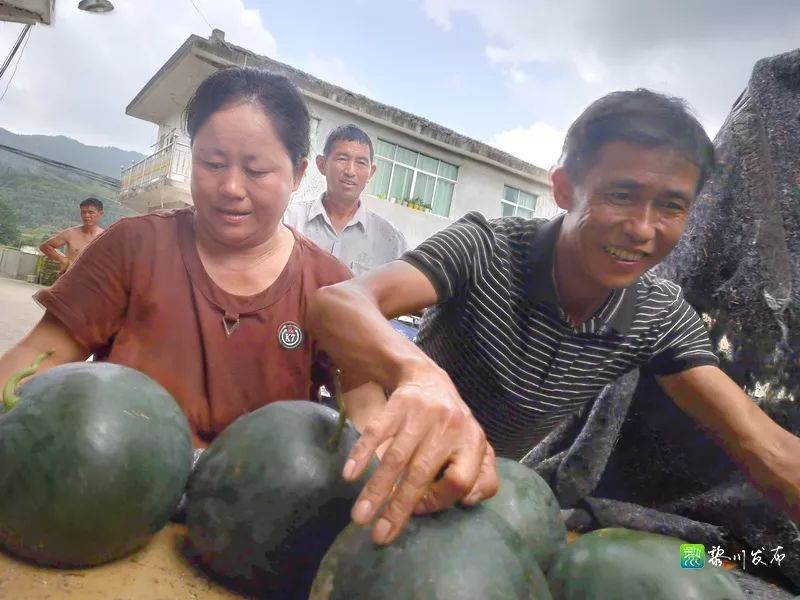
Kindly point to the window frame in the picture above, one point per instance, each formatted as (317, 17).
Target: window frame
(516, 204)
(415, 171)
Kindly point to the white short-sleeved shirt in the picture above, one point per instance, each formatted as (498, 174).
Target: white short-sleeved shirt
(366, 242)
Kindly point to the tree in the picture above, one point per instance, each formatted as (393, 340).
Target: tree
(9, 230)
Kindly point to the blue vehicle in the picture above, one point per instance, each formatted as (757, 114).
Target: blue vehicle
(408, 325)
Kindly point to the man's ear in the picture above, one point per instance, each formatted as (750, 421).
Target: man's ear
(372, 170)
(321, 163)
(563, 189)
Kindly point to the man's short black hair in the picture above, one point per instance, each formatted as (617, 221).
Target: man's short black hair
(92, 201)
(640, 116)
(348, 133)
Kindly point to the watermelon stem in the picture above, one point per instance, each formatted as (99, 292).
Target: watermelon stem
(337, 434)
(10, 398)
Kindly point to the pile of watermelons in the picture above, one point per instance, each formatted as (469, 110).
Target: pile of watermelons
(268, 514)
(94, 458)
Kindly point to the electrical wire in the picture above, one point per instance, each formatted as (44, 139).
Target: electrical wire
(26, 33)
(201, 14)
(15, 48)
(103, 180)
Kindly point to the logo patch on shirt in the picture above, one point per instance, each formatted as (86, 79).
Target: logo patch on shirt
(290, 336)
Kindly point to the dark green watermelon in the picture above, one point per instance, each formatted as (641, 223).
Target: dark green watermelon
(633, 565)
(267, 498)
(93, 460)
(456, 554)
(529, 506)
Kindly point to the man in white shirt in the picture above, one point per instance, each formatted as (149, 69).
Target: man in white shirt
(338, 220)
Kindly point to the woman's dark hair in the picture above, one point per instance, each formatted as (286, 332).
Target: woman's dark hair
(642, 117)
(275, 94)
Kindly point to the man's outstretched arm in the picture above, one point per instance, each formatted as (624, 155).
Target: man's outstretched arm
(425, 425)
(765, 452)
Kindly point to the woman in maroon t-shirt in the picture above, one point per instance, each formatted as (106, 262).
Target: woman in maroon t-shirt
(209, 301)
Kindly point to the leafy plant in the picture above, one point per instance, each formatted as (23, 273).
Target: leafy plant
(9, 230)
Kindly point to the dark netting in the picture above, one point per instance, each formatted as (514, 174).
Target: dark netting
(632, 459)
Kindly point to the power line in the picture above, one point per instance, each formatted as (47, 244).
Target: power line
(103, 180)
(201, 14)
(26, 34)
(15, 48)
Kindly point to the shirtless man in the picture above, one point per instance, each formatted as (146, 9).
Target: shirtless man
(75, 238)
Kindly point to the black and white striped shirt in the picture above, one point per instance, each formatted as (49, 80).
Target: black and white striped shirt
(511, 351)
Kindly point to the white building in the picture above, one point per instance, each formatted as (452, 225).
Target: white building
(427, 175)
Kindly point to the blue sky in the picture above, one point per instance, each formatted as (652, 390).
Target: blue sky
(400, 57)
(512, 73)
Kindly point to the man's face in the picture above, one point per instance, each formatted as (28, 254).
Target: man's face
(90, 215)
(347, 170)
(627, 213)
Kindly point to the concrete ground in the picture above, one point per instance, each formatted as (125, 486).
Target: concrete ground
(18, 311)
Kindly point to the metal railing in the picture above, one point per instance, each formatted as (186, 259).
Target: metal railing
(173, 162)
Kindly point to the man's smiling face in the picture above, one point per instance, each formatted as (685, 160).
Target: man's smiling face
(627, 212)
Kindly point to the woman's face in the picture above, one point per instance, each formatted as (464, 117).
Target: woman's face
(242, 176)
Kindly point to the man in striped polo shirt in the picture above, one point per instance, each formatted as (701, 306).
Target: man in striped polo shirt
(529, 319)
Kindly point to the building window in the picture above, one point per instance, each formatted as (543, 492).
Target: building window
(516, 203)
(411, 178)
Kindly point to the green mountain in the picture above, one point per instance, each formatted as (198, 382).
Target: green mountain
(107, 161)
(37, 199)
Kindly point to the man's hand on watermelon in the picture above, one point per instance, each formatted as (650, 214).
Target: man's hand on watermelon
(433, 451)
(432, 454)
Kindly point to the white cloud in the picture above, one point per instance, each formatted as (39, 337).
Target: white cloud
(517, 74)
(501, 56)
(497, 54)
(439, 11)
(701, 51)
(540, 144)
(77, 76)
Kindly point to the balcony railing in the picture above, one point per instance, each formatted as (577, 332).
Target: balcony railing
(171, 163)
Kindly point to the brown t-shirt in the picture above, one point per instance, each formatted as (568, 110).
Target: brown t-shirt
(139, 296)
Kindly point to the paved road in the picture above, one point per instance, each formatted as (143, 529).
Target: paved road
(18, 311)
